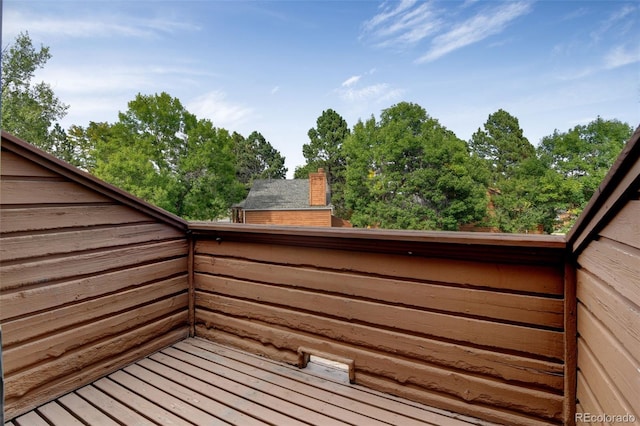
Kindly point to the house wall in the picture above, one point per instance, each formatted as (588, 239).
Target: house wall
(607, 246)
(289, 217)
(445, 319)
(88, 284)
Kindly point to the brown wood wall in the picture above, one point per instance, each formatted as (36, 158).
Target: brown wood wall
(481, 337)
(289, 217)
(477, 324)
(87, 284)
(608, 292)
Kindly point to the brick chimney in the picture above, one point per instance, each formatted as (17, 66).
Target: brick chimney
(318, 188)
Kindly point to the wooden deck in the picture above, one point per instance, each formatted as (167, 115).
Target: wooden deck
(199, 382)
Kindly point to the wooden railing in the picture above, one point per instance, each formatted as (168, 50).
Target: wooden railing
(466, 322)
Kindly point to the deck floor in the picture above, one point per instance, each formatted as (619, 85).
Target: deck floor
(199, 382)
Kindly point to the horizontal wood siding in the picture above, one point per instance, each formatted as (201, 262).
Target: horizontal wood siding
(87, 283)
(289, 217)
(475, 337)
(608, 292)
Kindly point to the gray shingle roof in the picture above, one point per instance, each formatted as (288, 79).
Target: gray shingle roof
(279, 194)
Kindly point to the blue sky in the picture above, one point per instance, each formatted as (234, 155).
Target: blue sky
(275, 66)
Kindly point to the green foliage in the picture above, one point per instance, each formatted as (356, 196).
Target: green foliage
(207, 173)
(550, 186)
(161, 153)
(584, 154)
(29, 110)
(256, 158)
(577, 162)
(404, 171)
(78, 146)
(409, 172)
(324, 150)
(514, 172)
(502, 145)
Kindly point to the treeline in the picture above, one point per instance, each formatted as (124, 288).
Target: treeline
(163, 154)
(404, 170)
(407, 171)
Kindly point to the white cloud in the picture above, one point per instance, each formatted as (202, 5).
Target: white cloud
(107, 26)
(99, 108)
(219, 110)
(402, 25)
(617, 57)
(380, 92)
(614, 20)
(387, 13)
(575, 74)
(351, 81)
(368, 92)
(620, 56)
(475, 29)
(98, 78)
(577, 13)
(89, 80)
(410, 23)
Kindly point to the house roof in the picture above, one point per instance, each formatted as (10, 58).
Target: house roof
(279, 194)
(44, 159)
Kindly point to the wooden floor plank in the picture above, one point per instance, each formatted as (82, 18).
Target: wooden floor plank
(161, 398)
(198, 382)
(145, 368)
(85, 411)
(139, 404)
(56, 415)
(300, 396)
(119, 411)
(200, 385)
(30, 419)
(358, 393)
(356, 411)
(291, 409)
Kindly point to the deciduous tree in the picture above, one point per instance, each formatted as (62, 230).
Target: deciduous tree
(586, 152)
(580, 159)
(29, 110)
(407, 171)
(165, 155)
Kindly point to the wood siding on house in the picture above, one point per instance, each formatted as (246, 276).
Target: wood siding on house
(319, 217)
(607, 245)
(419, 317)
(88, 284)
